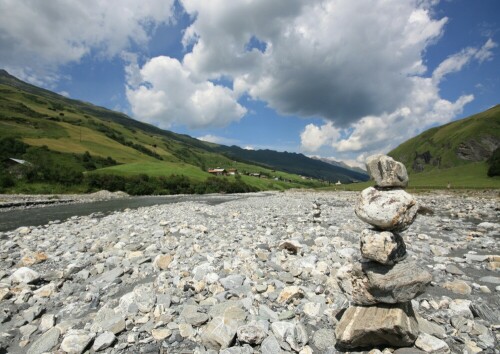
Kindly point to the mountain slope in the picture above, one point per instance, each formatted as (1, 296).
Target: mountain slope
(41, 118)
(294, 163)
(459, 143)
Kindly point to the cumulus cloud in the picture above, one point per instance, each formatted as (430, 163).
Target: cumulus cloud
(422, 109)
(169, 94)
(337, 59)
(313, 137)
(36, 37)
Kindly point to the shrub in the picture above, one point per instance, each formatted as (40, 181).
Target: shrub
(494, 162)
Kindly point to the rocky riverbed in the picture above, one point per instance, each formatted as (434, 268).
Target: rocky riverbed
(253, 275)
(23, 201)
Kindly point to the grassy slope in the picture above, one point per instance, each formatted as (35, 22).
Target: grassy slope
(443, 141)
(43, 118)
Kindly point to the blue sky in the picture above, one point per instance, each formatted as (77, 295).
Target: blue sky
(335, 78)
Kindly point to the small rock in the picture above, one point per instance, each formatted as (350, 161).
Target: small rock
(47, 322)
(45, 342)
(324, 339)
(103, 341)
(458, 287)
(162, 261)
(76, 341)
(452, 269)
(161, 333)
(31, 258)
(24, 275)
(251, 334)
(490, 279)
(270, 345)
(431, 344)
(290, 293)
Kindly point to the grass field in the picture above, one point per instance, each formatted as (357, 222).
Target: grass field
(471, 176)
(156, 169)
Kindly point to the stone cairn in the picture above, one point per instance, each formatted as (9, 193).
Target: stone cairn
(382, 286)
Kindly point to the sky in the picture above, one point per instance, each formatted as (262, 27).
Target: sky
(340, 79)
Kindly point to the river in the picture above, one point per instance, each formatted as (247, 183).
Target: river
(35, 216)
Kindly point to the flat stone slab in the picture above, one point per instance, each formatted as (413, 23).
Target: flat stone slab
(370, 283)
(369, 326)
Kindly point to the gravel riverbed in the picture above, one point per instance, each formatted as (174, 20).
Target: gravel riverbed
(251, 275)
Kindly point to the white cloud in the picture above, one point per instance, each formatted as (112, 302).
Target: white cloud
(313, 137)
(248, 147)
(422, 109)
(169, 94)
(217, 139)
(36, 37)
(457, 61)
(336, 59)
(64, 93)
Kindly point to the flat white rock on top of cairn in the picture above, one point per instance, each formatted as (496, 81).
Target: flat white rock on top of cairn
(387, 283)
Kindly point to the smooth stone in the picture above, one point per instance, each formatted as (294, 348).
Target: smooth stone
(431, 344)
(24, 275)
(371, 283)
(390, 210)
(458, 287)
(161, 333)
(490, 279)
(431, 328)
(76, 341)
(392, 325)
(386, 171)
(103, 341)
(453, 269)
(383, 247)
(45, 342)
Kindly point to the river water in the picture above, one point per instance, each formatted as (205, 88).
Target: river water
(35, 216)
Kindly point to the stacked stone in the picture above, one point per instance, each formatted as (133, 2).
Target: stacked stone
(382, 287)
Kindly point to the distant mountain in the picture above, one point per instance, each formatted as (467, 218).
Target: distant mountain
(459, 143)
(42, 118)
(294, 163)
(339, 164)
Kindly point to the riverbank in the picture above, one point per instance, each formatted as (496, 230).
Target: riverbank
(255, 274)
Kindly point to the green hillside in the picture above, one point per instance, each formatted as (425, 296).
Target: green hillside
(460, 143)
(70, 145)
